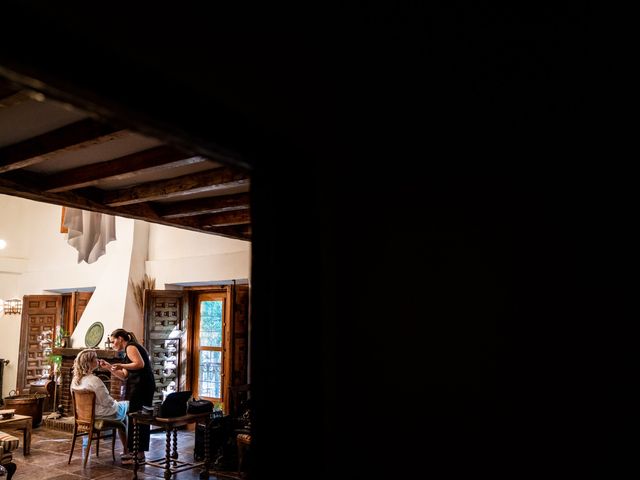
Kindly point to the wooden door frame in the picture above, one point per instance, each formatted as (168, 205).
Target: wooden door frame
(69, 306)
(182, 377)
(227, 324)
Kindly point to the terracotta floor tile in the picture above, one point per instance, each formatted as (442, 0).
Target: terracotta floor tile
(50, 453)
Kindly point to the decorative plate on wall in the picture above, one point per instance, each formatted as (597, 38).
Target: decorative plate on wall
(94, 335)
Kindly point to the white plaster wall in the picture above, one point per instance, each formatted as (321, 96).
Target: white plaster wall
(133, 320)
(9, 285)
(52, 263)
(12, 226)
(169, 242)
(201, 269)
(178, 256)
(9, 344)
(13, 261)
(107, 304)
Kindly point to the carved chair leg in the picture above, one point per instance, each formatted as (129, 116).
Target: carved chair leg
(88, 452)
(11, 468)
(113, 444)
(73, 442)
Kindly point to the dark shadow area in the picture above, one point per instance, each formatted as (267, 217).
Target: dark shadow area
(440, 224)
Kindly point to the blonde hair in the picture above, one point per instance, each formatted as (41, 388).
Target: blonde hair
(82, 364)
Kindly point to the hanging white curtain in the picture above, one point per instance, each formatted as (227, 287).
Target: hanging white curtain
(89, 233)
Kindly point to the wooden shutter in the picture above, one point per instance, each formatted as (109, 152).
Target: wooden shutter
(240, 336)
(73, 306)
(39, 313)
(81, 301)
(165, 314)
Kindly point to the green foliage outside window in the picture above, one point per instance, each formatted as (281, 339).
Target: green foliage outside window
(211, 323)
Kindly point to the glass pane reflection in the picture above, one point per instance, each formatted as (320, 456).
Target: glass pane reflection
(211, 323)
(209, 381)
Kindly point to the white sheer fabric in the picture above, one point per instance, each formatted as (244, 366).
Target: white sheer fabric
(89, 233)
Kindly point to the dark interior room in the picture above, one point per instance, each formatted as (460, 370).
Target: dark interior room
(438, 224)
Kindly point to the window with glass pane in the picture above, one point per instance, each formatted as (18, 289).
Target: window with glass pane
(211, 323)
(210, 343)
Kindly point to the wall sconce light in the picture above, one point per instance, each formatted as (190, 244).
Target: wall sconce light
(13, 306)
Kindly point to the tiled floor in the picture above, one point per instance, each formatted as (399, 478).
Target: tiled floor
(50, 453)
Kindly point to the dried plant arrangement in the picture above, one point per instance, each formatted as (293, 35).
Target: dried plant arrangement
(147, 283)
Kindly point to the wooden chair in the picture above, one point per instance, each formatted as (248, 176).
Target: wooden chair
(238, 397)
(86, 423)
(8, 443)
(243, 441)
(240, 410)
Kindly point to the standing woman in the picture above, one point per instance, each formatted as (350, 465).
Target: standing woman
(136, 371)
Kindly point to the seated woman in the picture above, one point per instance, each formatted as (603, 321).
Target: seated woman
(106, 406)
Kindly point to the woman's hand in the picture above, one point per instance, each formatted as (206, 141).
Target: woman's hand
(119, 371)
(116, 367)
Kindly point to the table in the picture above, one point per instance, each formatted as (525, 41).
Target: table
(170, 462)
(20, 422)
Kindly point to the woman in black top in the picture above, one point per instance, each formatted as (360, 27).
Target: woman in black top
(136, 371)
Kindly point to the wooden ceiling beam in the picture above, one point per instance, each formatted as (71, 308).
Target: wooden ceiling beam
(17, 98)
(40, 148)
(138, 212)
(240, 232)
(25, 177)
(7, 90)
(153, 159)
(222, 219)
(186, 184)
(202, 206)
